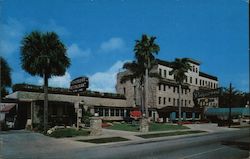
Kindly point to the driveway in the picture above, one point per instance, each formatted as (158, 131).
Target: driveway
(21, 142)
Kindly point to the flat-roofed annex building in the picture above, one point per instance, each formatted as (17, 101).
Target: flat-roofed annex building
(163, 92)
(63, 104)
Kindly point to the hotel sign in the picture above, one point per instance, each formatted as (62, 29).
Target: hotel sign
(206, 93)
(79, 84)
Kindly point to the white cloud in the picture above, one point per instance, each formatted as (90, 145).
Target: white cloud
(75, 51)
(11, 33)
(113, 44)
(105, 81)
(53, 26)
(58, 81)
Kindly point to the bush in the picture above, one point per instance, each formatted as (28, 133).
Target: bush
(3, 126)
(68, 132)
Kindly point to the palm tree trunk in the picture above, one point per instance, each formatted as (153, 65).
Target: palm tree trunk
(179, 105)
(142, 99)
(146, 93)
(45, 113)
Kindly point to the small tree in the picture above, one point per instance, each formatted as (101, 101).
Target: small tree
(5, 77)
(180, 67)
(44, 55)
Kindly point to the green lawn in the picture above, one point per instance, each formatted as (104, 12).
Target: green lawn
(175, 133)
(124, 127)
(68, 132)
(105, 140)
(165, 127)
(152, 127)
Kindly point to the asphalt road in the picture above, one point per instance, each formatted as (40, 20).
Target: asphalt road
(224, 145)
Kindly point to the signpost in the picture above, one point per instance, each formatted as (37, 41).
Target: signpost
(77, 86)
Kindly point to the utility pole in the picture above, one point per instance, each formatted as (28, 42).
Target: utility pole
(0, 81)
(230, 105)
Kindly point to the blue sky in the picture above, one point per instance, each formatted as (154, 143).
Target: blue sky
(100, 35)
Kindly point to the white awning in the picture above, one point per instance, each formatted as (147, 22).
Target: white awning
(6, 107)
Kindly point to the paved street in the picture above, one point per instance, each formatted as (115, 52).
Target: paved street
(224, 144)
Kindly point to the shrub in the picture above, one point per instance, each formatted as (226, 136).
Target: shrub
(68, 132)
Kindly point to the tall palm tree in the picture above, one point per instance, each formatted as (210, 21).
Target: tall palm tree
(5, 77)
(44, 55)
(144, 49)
(180, 67)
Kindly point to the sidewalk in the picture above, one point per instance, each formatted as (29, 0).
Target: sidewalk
(107, 133)
(209, 127)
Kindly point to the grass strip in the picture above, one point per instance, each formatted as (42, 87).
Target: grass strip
(152, 127)
(105, 140)
(175, 133)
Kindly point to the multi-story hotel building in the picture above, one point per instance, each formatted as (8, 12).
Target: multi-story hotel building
(163, 92)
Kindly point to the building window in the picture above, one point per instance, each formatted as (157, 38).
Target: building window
(159, 100)
(193, 69)
(100, 111)
(182, 91)
(189, 102)
(196, 70)
(200, 82)
(174, 89)
(159, 87)
(185, 102)
(164, 87)
(197, 115)
(112, 112)
(196, 81)
(165, 73)
(177, 89)
(185, 91)
(169, 87)
(214, 85)
(117, 112)
(106, 112)
(160, 72)
(164, 100)
(96, 110)
(182, 102)
(169, 99)
(122, 112)
(124, 91)
(190, 79)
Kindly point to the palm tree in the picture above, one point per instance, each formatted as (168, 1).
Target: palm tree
(5, 77)
(144, 61)
(44, 55)
(180, 67)
(231, 97)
